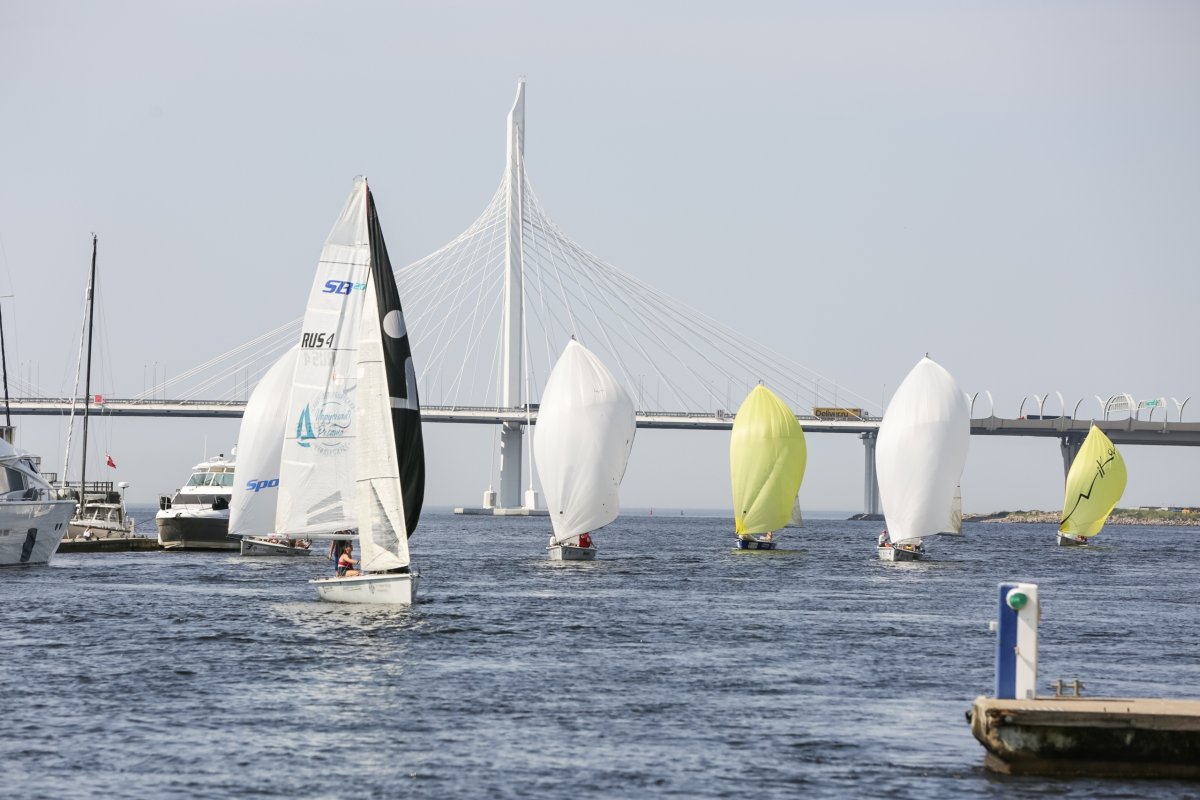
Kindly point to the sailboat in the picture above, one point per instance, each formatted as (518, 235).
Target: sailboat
(255, 491)
(767, 455)
(353, 456)
(100, 513)
(919, 458)
(954, 525)
(1095, 484)
(585, 429)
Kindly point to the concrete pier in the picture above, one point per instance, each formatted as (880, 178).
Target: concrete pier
(1093, 737)
(503, 512)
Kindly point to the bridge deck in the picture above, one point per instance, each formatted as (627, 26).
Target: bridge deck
(1122, 431)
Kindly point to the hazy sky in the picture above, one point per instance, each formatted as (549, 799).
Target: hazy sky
(1012, 187)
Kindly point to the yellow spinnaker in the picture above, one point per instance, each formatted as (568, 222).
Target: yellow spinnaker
(1094, 485)
(766, 462)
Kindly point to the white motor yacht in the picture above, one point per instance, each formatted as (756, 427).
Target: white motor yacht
(197, 516)
(32, 520)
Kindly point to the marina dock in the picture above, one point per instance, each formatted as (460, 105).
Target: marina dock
(1094, 737)
(109, 545)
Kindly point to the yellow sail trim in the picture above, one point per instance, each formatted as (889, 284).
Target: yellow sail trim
(1094, 485)
(767, 456)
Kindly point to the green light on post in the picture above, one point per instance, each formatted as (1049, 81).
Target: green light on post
(1017, 600)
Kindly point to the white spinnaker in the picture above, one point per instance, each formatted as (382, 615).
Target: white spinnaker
(581, 445)
(260, 442)
(317, 471)
(921, 451)
(381, 531)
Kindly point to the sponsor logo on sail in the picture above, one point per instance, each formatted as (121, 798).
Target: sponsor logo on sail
(342, 287)
(257, 486)
(326, 424)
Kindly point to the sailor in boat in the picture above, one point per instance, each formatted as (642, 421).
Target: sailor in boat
(585, 540)
(346, 562)
(884, 539)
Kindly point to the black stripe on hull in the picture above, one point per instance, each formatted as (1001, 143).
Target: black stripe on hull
(192, 533)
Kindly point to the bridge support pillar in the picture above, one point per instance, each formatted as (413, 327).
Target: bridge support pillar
(1069, 444)
(510, 465)
(871, 503)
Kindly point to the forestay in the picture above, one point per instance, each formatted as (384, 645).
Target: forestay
(317, 471)
(767, 456)
(259, 445)
(921, 451)
(584, 434)
(1095, 484)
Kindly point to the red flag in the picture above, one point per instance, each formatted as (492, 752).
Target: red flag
(99, 399)
(111, 463)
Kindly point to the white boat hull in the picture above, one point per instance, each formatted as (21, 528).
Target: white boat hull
(567, 552)
(899, 554)
(264, 547)
(1070, 541)
(30, 531)
(395, 589)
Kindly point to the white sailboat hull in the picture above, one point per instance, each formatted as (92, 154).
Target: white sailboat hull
(900, 554)
(393, 589)
(252, 546)
(567, 552)
(30, 531)
(1065, 540)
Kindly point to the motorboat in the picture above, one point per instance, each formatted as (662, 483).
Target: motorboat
(197, 516)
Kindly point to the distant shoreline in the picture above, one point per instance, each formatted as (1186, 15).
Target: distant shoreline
(1120, 516)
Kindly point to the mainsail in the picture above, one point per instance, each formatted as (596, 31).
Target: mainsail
(390, 460)
(259, 446)
(317, 470)
(1095, 483)
(921, 451)
(767, 455)
(954, 527)
(585, 429)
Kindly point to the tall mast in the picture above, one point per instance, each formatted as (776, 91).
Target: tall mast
(514, 268)
(87, 382)
(4, 368)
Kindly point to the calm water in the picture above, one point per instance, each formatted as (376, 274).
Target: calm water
(671, 667)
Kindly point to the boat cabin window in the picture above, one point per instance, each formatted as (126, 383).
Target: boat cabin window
(226, 479)
(12, 480)
(197, 479)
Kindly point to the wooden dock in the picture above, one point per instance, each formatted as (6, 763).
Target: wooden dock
(109, 545)
(1094, 737)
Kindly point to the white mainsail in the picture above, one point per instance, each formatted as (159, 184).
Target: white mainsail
(317, 469)
(921, 452)
(955, 526)
(390, 463)
(584, 434)
(260, 443)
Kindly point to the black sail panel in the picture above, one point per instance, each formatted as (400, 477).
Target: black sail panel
(401, 376)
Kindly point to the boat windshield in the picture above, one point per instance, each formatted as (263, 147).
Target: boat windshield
(210, 479)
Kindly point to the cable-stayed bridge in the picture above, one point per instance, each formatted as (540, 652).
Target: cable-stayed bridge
(490, 311)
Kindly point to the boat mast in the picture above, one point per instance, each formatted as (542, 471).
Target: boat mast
(87, 382)
(4, 368)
